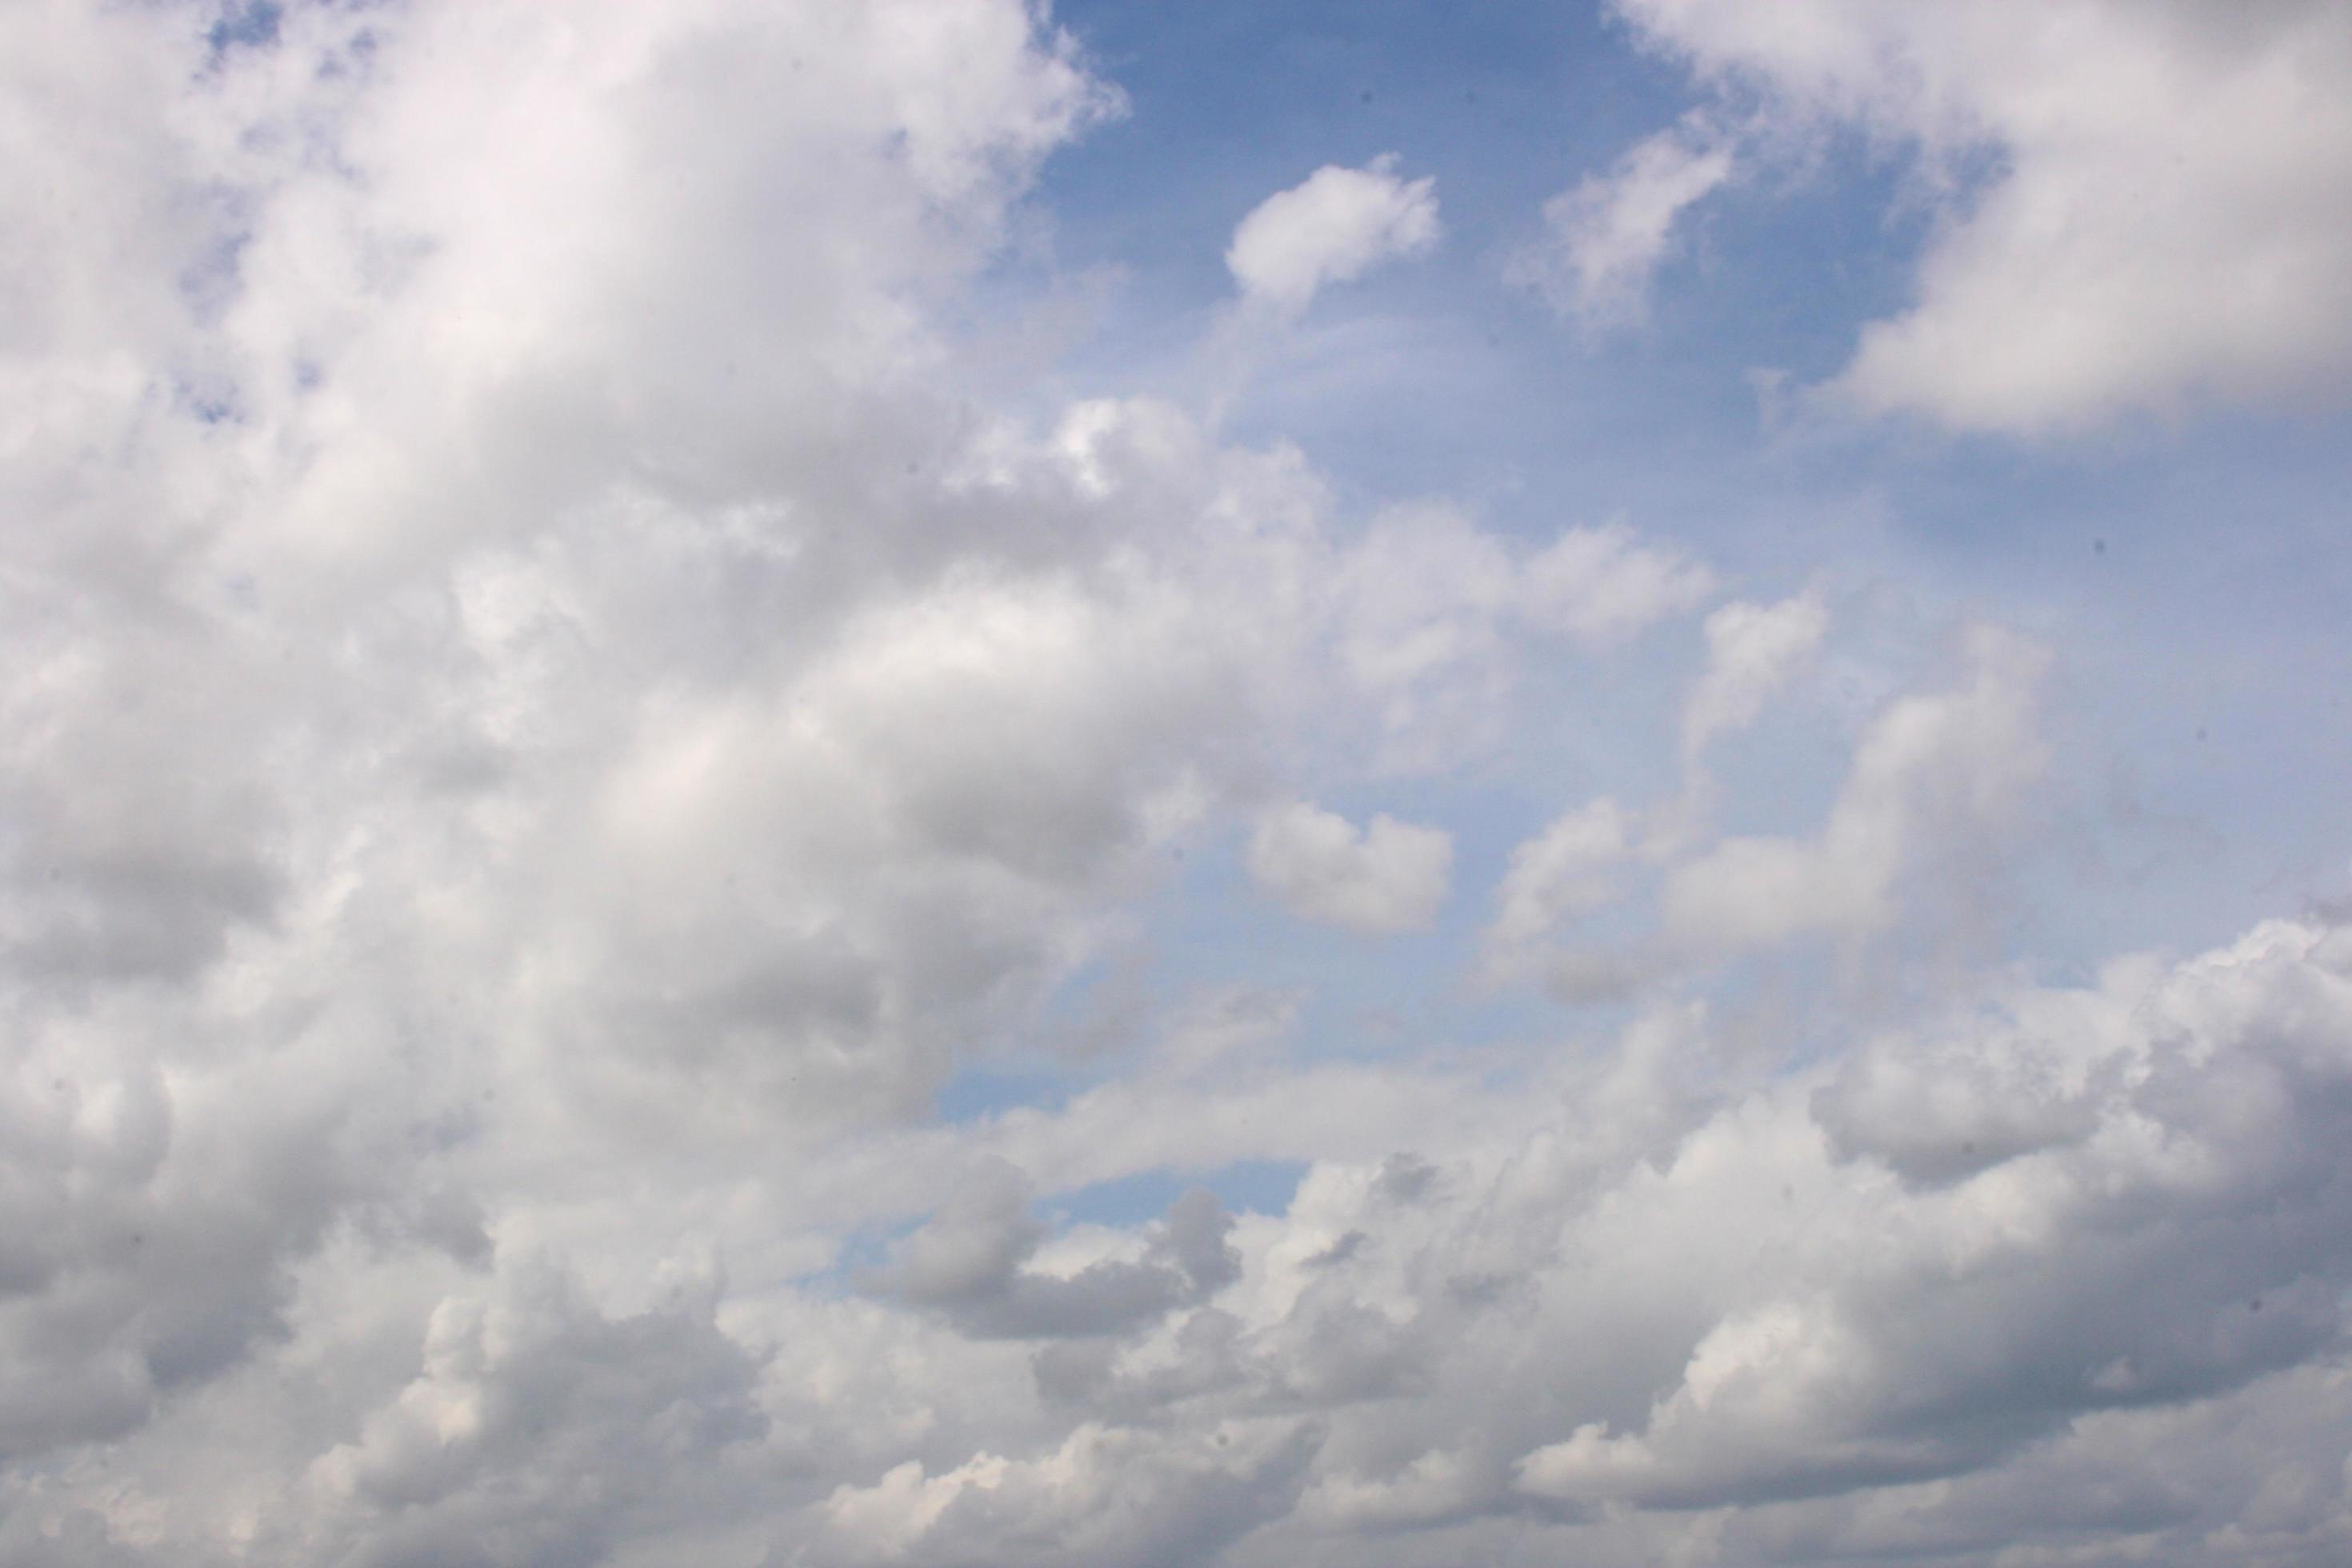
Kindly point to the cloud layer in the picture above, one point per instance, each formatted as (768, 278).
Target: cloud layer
(565, 738)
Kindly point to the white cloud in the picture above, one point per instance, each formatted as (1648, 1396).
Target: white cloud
(1428, 600)
(1916, 840)
(1385, 876)
(1123, 1495)
(1602, 585)
(2165, 225)
(970, 1262)
(1935, 771)
(1752, 651)
(1567, 871)
(1762, 1297)
(546, 720)
(520, 1396)
(1605, 239)
(552, 703)
(1333, 227)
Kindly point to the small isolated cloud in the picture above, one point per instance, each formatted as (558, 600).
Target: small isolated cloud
(1752, 651)
(1388, 876)
(1333, 227)
(1605, 239)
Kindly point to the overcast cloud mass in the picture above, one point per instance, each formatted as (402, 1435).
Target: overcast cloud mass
(801, 783)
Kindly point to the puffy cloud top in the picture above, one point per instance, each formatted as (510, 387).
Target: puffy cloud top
(1332, 227)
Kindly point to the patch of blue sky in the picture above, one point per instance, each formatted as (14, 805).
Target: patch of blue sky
(1245, 1186)
(1207, 930)
(211, 399)
(2178, 577)
(244, 24)
(1254, 1186)
(1453, 382)
(979, 1094)
(1228, 103)
(1361, 996)
(212, 283)
(859, 1254)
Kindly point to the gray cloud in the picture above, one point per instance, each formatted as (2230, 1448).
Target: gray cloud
(967, 1261)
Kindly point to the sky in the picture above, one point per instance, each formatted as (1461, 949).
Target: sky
(951, 782)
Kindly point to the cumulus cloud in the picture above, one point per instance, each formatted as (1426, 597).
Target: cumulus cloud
(553, 723)
(1783, 1311)
(1752, 651)
(1105, 1495)
(968, 1260)
(538, 1423)
(1427, 599)
(1387, 876)
(1917, 836)
(2097, 166)
(1567, 871)
(1936, 770)
(1605, 239)
(1794, 1360)
(1332, 227)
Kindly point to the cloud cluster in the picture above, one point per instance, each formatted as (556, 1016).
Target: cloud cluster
(1928, 813)
(2013, 1237)
(550, 715)
(2139, 208)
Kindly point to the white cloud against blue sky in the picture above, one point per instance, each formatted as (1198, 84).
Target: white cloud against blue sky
(1331, 227)
(933, 782)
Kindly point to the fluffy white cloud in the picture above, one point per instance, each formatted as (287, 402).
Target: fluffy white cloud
(1106, 1495)
(537, 698)
(1710, 1294)
(2163, 222)
(1605, 239)
(1752, 651)
(1915, 841)
(1937, 774)
(1387, 876)
(1428, 600)
(1332, 227)
(1602, 585)
(547, 718)
(1567, 871)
